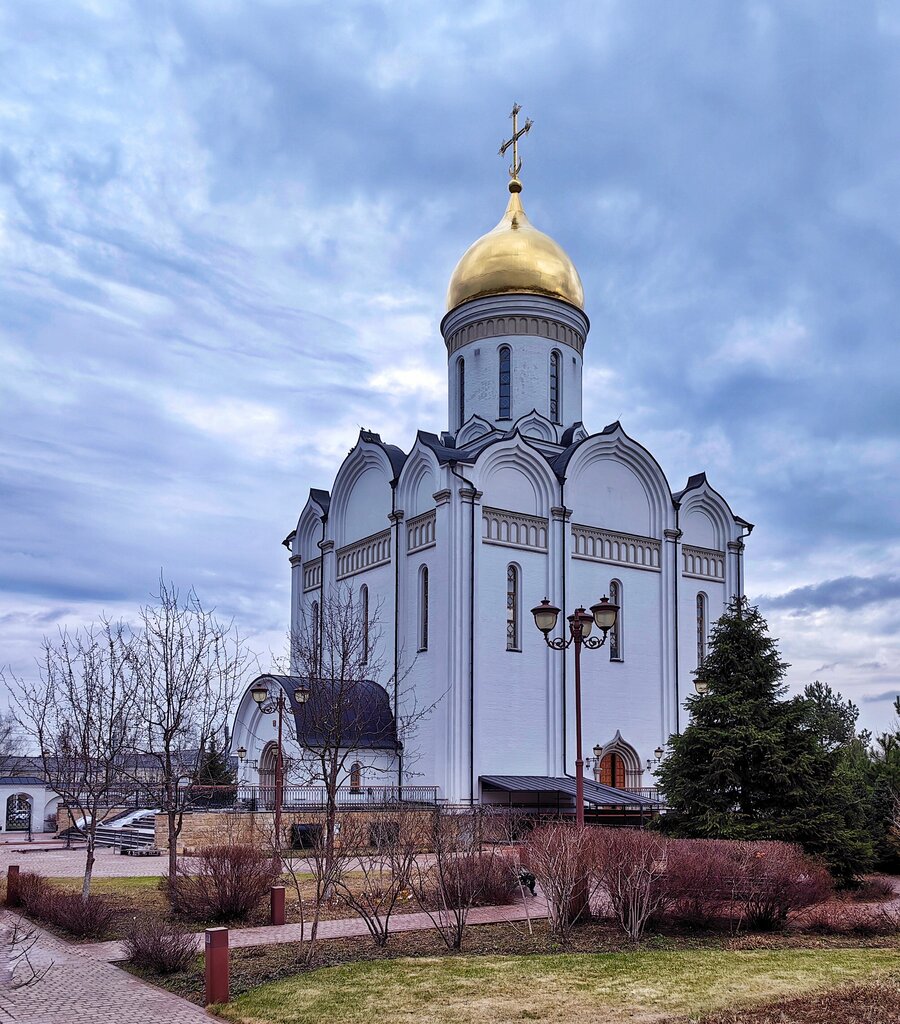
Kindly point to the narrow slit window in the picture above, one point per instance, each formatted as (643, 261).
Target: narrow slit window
(505, 384)
(554, 386)
(423, 608)
(355, 777)
(461, 391)
(512, 608)
(615, 634)
(364, 614)
(701, 629)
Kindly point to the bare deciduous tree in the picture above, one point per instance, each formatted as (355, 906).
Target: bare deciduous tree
(81, 713)
(18, 941)
(188, 667)
(336, 651)
(11, 746)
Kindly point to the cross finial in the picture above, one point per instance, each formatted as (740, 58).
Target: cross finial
(514, 184)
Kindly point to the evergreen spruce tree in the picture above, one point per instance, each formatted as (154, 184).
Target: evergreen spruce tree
(754, 765)
(215, 770)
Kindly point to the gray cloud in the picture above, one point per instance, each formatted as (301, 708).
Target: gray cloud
(220, 224)
(846, 592)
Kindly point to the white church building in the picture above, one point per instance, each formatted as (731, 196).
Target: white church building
(455, 540)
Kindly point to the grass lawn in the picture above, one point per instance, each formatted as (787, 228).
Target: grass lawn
(141, 896)
(575, 988)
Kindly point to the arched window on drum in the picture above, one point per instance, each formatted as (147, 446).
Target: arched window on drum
(555, 386)
(461, 391)
(504, 411)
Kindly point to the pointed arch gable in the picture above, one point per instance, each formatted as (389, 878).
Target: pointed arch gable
(306, 537)
(418, 481)
(533, 424)
(584, 467)
(706, 519)
(361, 496)
(473, 429)
(513, 474)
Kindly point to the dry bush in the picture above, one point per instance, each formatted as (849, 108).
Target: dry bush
(461, 874)
(160, 946)
(874, 889)
(630, 867)
(848, 919)
(396, 837)
(86, 918)
(775, 878)
(227, 884)
(697, 881)
(560, 856)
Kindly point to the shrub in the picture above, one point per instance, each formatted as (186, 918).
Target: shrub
(229, 882)
(560, 856)
(476, 879)
(874, 889)
(847, 919)
(160, 946)
(776, 878)
(89, 918)
(630, 867)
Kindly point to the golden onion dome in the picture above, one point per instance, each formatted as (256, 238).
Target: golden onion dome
(515, 257)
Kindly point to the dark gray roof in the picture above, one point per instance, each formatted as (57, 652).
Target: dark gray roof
(357, 714)
(20, 780)
(594, 792)
(320, 497)
(396, 456)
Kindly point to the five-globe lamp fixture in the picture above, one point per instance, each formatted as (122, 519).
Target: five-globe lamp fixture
(268, 705)
(602, 615)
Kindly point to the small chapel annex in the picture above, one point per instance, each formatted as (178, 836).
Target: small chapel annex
(515, 501)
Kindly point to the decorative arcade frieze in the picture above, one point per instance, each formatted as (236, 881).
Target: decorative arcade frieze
(596, 545)
(513, 529)
(364, 554)
(703, 563)
(420, 532)
(312, 574)
(510, 326)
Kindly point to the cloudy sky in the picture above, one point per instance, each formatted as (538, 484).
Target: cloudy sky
(226, 231)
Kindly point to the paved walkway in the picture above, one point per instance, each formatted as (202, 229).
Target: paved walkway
(339, 929)
(58, 862)
(80, 987)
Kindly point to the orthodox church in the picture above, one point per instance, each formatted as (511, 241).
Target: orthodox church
(517, 500)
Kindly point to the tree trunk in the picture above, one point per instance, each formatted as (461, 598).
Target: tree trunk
(173, 841)
(89, 857)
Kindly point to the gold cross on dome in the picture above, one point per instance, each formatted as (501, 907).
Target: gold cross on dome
(517, 134)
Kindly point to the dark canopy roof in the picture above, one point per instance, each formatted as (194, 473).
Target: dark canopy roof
(594, 792)
(354, 714)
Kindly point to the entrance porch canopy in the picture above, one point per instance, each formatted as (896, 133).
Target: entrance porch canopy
(547, 786)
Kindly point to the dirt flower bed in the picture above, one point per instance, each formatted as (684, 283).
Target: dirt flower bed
(256, 965)
(875, 1003)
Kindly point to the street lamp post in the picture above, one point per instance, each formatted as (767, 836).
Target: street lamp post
(603, 616)
(271, 705)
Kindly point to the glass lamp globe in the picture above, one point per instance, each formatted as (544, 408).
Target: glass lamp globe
(604, 613)
(545, 616)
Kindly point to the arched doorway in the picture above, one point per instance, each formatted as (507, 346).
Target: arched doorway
(617, 764)
(267, 775)
(18, 812)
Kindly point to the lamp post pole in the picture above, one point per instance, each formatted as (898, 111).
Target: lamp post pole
(268, 705)
(603, 615)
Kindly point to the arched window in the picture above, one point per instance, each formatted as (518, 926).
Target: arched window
(702, 628)
(555, 369)
(612, 771)
(461, 390)
(505, 383)
(355, 777)
(364, 614)
(423, 608)
(616, 650)
(512, 608)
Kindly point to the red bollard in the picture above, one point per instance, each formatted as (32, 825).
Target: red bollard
(12, 885)
(217, 982)
(276, 904)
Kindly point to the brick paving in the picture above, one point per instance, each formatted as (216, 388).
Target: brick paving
(58, 862)
(338, 929)
(79, 987)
